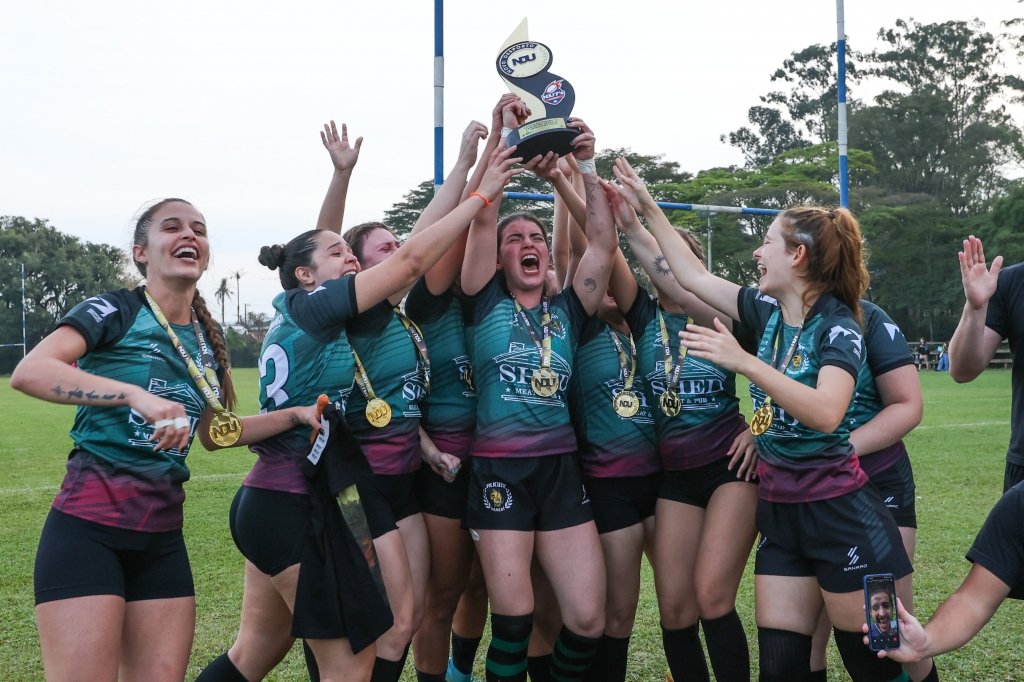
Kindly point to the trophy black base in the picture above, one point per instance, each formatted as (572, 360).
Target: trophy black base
(542, 136)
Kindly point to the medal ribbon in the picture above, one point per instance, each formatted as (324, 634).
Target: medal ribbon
(623, 374)
(362, 379)
(421, 346)
(544, 343)
(207, 384)
(789, 353)
(672, 374)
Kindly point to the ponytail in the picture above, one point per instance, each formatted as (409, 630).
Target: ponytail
(220, 351)
(835, 256)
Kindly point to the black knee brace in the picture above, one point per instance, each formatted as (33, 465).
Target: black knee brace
(863, 664)
(785, 655)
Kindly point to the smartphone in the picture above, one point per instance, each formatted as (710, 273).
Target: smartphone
(880, 607)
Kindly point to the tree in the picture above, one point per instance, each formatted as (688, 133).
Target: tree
(223, 292)
(61, 271)
(255, 325)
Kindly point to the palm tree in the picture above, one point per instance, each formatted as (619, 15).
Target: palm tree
(237, 274)
(222, 293)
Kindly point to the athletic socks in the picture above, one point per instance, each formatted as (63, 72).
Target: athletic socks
(785, 655)
(388, 671)
(539, 668)
(572, 656)
(863, 664)
(609, 661)
(817, 676)
(506, 656)
(685, 654)
(464, 652)
(727, 647)
(221, 669)
(427, 677)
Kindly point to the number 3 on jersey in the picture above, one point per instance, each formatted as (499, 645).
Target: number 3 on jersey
(273, 375)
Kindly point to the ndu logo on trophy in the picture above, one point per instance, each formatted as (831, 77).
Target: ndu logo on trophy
(523, 64)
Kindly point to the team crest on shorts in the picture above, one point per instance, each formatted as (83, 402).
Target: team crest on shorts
(553, 93)
(497, 497)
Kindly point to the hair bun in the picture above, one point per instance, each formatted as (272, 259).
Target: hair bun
(272, 256)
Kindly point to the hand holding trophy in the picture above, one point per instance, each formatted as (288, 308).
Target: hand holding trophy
(523, 65)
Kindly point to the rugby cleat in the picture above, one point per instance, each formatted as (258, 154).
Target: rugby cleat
(455, 675)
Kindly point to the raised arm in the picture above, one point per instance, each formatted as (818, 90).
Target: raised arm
(973, 344)
(344, 158)
(900, 390)
(422, 251)
(591, 279)
(689, 272)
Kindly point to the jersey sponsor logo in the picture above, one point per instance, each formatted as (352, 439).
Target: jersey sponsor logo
(414, 389)
(277, 322)
(783, 424)
(893, 330)
(837, 330)
(142, 431)
(516, 368)
(891, 502)
(700, 384)
(100, 307)
(854, 558)
(497, 496)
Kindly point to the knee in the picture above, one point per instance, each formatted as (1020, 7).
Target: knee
(714, 599)
(588, 623)
(619, 623)
(442, 603)
(677, 613)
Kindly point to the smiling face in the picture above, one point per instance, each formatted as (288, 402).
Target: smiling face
(881, 611)
(175, 246)
(776, 262)
(523, 255)
(378, 245)
(332, 259)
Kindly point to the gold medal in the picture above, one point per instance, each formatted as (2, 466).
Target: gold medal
(670, 402)
(225, 429)
(762, 419)
(544, 382)
(378, 412)
(626, 404)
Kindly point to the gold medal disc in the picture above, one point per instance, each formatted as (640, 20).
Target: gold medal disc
(378, 413)
(544, 382)
(670, 402)
(762, 420)
(626, 404)
(225, 429)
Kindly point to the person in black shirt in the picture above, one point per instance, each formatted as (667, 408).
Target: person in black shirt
(922, 355)
(994, 311)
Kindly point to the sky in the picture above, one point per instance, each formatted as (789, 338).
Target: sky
(106, 106)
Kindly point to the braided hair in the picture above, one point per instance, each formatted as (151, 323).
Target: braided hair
(140, 236)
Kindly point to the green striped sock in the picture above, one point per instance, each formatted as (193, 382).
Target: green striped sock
(572, 656)
(506, 656)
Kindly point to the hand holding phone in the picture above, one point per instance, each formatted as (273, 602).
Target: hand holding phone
(880, 607)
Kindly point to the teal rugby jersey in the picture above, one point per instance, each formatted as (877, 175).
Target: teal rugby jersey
(115, 478)
(450, 407)
(710, 419)
(798, 464)
(886, 349)
(305, 354)
(396, 375)
(511, 420)
(610, 446)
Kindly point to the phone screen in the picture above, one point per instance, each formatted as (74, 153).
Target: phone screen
(880, 604)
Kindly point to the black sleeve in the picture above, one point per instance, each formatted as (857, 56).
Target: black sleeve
(323, 312)
(841, 343)
(887, 347)
(476, 307)
(755, 309)
(568, 301)
(640, 314)
(371, 322)
(102, 320)
(746, 336)
(423, 307)
(999, 546)
(1004, 303)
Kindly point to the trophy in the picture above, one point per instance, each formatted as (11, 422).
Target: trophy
(523, 65)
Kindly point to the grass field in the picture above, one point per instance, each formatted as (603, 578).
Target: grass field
(958, 454)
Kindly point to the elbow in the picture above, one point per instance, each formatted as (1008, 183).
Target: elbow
(20, 376)
(412, 266)
(961, 374)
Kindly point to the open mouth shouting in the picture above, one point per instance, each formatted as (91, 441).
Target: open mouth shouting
(186, 253)
(530, 264)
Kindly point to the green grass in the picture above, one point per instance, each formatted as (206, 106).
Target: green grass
(958, 456)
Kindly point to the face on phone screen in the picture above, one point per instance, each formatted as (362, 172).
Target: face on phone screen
(881, 606)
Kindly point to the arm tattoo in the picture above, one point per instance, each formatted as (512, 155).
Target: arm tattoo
(57, 390)
(91, 395)
(590, 284)
(660, 267)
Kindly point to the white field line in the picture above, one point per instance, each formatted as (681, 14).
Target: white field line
(951, 426)
(21, 491)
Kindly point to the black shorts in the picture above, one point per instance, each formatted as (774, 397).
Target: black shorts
(1012, 475)
(838, 541)
(269, 527)
(386, 500)
(79, 558)
(696, 486)
(527, 493)
(622, 502)
(896, 486)
(435, 495)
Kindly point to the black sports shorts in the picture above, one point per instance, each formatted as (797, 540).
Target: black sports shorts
(435, 495)
(622, 502)
(79, 558)
(386, 500)
(696, 486)
(896, 486)
(269, 527)
(1012, 475)
(527, 493)
(838, 541)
